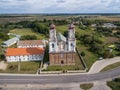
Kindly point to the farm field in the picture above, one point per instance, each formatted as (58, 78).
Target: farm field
(108, 18)
(27, 31)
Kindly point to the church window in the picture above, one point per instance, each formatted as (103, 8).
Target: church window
(52, 45)
(62, 62)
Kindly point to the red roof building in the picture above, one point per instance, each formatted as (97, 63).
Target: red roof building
(24, 54)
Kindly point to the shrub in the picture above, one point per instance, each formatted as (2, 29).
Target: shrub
(86, 86)
(82, 53)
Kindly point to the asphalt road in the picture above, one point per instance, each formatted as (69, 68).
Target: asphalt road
(19, 79)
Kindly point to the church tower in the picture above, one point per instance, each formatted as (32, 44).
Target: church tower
(52, 39)
(71, 38)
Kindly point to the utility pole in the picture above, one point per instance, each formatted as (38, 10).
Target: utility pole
(19, 64)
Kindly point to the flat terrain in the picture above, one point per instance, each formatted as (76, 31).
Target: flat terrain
(108, 18)
(26, 67)
(27, 31)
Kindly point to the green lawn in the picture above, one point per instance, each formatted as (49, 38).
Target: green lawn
(112, 66)
(27, 31)
(26, 67)
(11, 36)
(89, 57)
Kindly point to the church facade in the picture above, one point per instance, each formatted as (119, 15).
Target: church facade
(62, 49)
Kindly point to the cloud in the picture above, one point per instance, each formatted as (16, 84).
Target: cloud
(60, 1)
(56, 6)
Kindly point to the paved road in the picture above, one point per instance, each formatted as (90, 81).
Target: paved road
(99, 65)
(6, 79)
(100, 85)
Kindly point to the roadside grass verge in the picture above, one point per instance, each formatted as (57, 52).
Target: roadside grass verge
(86, 86)
(112, 66)
(114, 84)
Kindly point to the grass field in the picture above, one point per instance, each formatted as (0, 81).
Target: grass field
(27, 31)
(63, 28)
(89, 57)
(26, 67)
(11, 36)
(107, 18)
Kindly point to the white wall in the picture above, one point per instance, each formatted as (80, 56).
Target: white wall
(40, 46)
(24, 58)
(51, 49)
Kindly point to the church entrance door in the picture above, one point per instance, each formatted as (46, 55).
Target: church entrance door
(62, 62)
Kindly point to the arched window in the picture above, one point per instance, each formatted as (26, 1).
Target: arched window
(71, 45)
(52, 45)
(62, 62)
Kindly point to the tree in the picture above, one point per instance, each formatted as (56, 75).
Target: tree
(108, 54)
(3, 36)
(82, 53)
(65, 33)
(96, 48)
(28, 37)
(2, 56)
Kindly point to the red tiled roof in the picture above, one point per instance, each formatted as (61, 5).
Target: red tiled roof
(24, 51)
(30, 42)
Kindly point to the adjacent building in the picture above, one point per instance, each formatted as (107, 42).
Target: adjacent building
(10, 42)
(31, 44)
(24, 54)
(109, 25)
(61, 49)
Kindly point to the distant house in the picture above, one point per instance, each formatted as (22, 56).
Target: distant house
(109, 25)
(114, 31)
(10, 42)
(24, 54)
(94, 25)
(31, 43)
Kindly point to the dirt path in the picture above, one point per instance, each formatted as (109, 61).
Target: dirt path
(3, 65)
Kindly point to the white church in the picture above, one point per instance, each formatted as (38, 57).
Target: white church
(62, 49)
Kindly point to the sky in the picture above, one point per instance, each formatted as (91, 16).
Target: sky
(59, 6)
